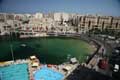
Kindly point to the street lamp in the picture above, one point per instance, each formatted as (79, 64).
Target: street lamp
(11, 46)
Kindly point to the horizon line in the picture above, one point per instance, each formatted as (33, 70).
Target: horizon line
(94, 14)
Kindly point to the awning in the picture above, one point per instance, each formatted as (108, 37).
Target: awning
(67, 67)
(73, 60)
(35, 64)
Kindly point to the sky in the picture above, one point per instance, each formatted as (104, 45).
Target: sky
(102, 7)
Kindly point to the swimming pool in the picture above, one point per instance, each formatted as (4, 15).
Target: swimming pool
(47, 74)
(14, 72)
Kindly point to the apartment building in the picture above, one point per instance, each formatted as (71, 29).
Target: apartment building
(2, 17)
(37, 25)
(115, 24)
(88, 22)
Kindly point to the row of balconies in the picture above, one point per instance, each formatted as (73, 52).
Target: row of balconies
(91, 24)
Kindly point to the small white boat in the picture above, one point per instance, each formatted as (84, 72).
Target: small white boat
(23, 45)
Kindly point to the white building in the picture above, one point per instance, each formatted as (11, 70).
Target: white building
(20, 16)
(1, 28)
(10, 22)
(61, 16)
(2, 17)
(65, 16)
(57, 16)
(10, 16)
(28, 15)
(38, 15)
(4, 29)
(38, 25)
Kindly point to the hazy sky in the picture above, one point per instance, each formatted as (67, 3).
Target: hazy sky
(103, 7)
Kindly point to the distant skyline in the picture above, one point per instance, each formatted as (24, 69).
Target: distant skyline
(102, 7)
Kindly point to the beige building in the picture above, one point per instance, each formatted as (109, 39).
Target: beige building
(88, 22)
(115, 24)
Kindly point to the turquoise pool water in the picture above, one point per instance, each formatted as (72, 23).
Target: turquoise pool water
(48, 74)
(14, 72)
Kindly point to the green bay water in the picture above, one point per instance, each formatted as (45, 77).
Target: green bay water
(51, 50)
